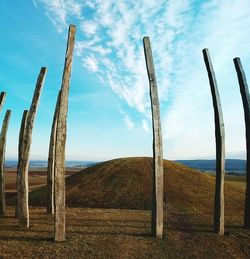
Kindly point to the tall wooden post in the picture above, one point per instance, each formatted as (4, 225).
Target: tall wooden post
(157, 194)
(51, 161)
(220, 147)
(23, 158)
(19, 164)
(246, 105)
(2, 99)
(61, 140)
(2, 161)
(2, 180)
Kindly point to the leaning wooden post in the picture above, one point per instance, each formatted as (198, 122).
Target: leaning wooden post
(61, 140)
(19, 165)
(220, 147)
(157, 194)
(246, 105)
(23, 163)
(2, 160)
(51, 161)
(2, 99)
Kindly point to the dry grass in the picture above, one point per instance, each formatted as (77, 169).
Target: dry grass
(115, 233)
(37, 178)
(112, 233)
(127, 183)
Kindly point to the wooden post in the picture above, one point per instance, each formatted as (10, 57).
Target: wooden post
(61, 140)
(2, 182)
(157, 194)
(2, 161)
(2, 99)
(23, 159)
(19, 165)
(246, 105)
(51, 161)
(220, 147)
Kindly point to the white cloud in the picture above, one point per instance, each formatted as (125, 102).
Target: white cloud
(90, 4)
(128, 122)
(89, 27)
(101, 50)
(80, 46)
(145, 126)
(73, 7)
(91, 63)
(60, 10)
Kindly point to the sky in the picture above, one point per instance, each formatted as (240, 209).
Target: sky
(109, 112)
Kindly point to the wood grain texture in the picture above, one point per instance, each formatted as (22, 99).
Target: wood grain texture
(246, 106)
(61, 140)
(23, 163)
(2, 99)
(157, 194)
(19, 164)
(3, 136)
(51, 161)
(220, 147)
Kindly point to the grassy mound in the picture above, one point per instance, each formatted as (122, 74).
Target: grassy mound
(127, 183)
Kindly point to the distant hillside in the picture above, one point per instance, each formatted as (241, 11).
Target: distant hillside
(127, 183)
(210, 165)
(43, 163)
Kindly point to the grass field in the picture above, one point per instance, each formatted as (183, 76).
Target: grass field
(98, 228)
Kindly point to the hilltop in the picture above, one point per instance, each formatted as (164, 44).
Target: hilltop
(126, 183)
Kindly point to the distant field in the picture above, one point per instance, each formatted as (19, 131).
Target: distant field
(236, 180)
(37, 178)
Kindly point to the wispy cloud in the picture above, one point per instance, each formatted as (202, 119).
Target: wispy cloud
(59, 11)
(111, 46)
(91, 63)
(190, 119)
(34, 2)
(145, 126)
(89, 27)
(127, 120)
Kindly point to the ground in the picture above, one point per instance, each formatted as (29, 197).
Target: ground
(113, 233)
(125, 233)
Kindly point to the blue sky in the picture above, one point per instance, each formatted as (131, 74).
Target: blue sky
(109, 106)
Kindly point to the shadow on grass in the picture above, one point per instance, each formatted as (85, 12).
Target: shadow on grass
(21, 229)
(111, 234)
(109, 224)
(23, 238)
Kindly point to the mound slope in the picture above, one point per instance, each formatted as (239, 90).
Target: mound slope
(127, 183)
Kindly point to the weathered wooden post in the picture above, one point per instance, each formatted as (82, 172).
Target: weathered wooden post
(2, 160)
(20, 152)
(2, 180)
(51, 161)
(23, 157)
(61, 140)
(246, 105)
(157, 194)
(2, 99)
(220, 147)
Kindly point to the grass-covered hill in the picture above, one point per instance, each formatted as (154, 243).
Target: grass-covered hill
(127, 183)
